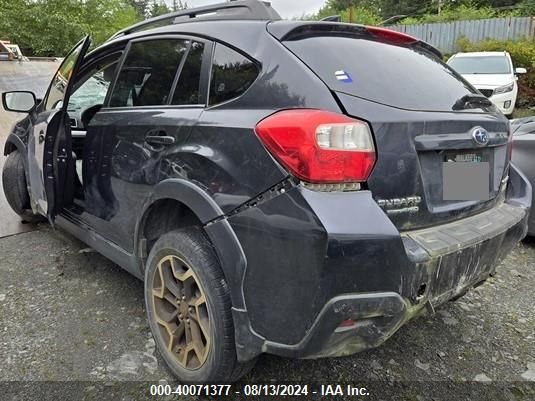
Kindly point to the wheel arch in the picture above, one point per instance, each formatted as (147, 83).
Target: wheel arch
(197, 205)
(13, 143)
(9, 147)
(191, 198)
(194, 205)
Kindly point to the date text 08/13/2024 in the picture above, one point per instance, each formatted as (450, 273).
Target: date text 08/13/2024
(226, 390)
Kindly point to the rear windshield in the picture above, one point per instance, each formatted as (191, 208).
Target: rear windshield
(481, 65)
(398, 76)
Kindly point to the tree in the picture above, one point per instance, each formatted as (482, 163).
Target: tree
(362, 12)
(429, 8)
(390, 8)
(141, 7)
(158, 7)
(527, 7)
(52, 27)
(366, 15)
(178, 5)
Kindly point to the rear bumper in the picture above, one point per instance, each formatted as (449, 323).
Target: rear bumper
(331, 258)
(451, 258)
(440, 270)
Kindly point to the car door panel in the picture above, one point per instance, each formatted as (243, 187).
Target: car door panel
(121, 168)
(36, 156)
(135, 140)
(49, 144)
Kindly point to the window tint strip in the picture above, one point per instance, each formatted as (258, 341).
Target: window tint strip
(148, 72)
(232, 74)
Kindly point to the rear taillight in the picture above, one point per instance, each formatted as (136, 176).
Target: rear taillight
(319, 146)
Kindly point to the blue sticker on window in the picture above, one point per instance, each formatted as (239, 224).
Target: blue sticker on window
(343, 76)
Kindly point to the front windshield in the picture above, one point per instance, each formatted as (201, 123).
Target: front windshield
(481, 65)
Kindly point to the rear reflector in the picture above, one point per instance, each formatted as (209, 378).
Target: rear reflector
(346, 325)
(319, 146)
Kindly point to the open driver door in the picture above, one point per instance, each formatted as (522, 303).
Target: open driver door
(50, 142)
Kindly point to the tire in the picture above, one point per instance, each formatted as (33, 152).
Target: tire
(210, 356)
(15, 189)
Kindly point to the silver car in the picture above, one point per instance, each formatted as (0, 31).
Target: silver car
(524, 154)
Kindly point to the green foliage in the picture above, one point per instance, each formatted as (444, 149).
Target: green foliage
(426, 11)
(52, 27)
(179, 5)
(522, 51)
(342, 4)
(141, 7)
(410, 8)
(527, 7)
(456, 13)
(158, 8)
(361, 15)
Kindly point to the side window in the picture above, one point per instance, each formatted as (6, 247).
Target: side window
(57, 91)
(188, 87)
(91, 91)
(232, 74)
(148, 73)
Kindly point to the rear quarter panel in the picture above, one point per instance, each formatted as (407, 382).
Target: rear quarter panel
(524, 158)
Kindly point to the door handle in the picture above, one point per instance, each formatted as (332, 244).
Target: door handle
(159, 138)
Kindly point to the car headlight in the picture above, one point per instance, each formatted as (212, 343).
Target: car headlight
(504, 89)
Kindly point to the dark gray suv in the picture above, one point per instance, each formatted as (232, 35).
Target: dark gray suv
(288, 187)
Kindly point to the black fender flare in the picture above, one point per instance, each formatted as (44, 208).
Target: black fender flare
(185, 192)
(16, 142)
(219, 231)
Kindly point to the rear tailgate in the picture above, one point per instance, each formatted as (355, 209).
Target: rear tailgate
(435, 163)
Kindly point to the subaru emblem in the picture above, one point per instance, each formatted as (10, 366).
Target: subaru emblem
(480, 136)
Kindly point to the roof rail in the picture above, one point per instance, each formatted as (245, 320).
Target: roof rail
(233, 10)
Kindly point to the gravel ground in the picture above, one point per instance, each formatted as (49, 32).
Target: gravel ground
(68, 314)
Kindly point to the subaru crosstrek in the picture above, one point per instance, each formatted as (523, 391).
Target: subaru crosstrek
(287, 187)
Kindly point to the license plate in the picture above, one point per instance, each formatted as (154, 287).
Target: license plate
(465, 177)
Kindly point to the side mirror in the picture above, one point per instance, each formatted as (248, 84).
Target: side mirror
(520, 70)
(19, 101)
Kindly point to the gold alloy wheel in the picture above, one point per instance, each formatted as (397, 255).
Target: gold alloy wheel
(181, 312)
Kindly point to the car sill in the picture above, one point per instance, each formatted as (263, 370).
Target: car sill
(116, 254)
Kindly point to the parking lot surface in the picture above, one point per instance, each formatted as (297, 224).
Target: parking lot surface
(69, 314)
(32, 76)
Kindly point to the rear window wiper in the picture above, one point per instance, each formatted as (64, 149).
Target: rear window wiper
(471, 99)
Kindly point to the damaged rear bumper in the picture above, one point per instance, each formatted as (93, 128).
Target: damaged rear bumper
(348, 282)
(441, 270)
